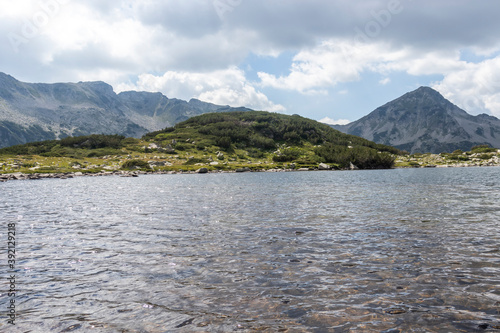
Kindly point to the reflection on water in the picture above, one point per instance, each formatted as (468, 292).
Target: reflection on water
(367, 251)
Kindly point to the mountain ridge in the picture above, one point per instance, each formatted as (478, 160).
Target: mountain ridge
(45, 111)
(424, 121)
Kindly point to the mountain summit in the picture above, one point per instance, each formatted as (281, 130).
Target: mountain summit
(424, 121)
(39, 111)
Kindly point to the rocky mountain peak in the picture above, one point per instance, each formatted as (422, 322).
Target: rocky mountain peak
(423, 96)
(424, 121)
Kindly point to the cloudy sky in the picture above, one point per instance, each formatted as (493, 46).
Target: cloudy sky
(336, 60)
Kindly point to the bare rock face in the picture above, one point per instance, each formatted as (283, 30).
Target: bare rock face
(423, 121)
(37, 111)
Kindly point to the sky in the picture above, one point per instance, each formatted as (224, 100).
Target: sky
(329, 60)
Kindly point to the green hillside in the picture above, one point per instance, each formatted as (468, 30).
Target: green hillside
(274, 137)
(253, 140)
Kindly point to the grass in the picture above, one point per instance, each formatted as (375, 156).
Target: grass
(179, 161)
(257, 140)
(474, 157)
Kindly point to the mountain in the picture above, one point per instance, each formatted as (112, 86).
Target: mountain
(37, 111)
(424, 121)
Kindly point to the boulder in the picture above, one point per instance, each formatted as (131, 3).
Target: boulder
(202, 170)
(156, 163)
(246, 169)
(323, 166)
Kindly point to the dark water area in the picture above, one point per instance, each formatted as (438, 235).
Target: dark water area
(415, 250)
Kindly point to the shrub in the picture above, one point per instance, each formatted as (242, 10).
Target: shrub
(61, 151)
(135, 164)
(485, 156)
(362, 157)
(193, 161)
(223, 142)
(258, 141)
(255, 153)
(180, 147)
(458, 157)
(93, 141)
(292, 137)
(102, 152)
(287, 155)
(130, 141)
(483, 149)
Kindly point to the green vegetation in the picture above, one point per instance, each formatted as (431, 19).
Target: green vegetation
(274, 137)
(219, 141)
(483, 149)
(478, 156)
(76, 147)
(360, 156)
(136, 164)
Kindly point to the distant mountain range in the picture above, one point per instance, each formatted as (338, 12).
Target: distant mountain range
(38, 111)
(419, 121)
(424, 121)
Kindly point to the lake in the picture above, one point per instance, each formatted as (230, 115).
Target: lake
(405, 250)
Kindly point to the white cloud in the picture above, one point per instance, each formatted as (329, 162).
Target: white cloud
(475, 87)
(337, 61)
(385, 81)
(331, 121)
(137, 41)
(224, 87)
(419, 63)
(315, 70)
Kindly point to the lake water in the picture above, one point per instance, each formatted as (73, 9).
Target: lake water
(414, 250)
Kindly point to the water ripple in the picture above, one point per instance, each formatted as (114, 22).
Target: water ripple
(373, 251)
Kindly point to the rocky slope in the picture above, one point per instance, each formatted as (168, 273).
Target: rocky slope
(424, 121)
(37, 111)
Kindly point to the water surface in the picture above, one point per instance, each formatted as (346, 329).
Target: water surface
(363, 251)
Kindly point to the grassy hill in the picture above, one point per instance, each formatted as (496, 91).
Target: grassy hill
(273, 137)
(216, 141)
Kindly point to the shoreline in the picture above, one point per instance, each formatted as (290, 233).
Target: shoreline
(125, 173)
